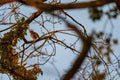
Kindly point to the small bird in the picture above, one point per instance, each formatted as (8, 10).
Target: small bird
(34, 35)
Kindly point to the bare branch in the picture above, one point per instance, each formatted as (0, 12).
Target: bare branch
(78, 62)
(50, 7)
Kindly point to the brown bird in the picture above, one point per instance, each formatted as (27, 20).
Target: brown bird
(34, 35)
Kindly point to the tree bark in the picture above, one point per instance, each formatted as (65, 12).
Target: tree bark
(118, 3)
(6, 1)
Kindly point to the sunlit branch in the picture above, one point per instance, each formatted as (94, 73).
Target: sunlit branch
(50, 7)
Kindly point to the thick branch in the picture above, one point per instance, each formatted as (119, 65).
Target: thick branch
(33, 16)
(78, 62)
(118, 4)
(2, 2)
(86, 46)
(50, 7)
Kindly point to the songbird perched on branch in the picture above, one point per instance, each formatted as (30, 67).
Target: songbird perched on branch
(34, 35)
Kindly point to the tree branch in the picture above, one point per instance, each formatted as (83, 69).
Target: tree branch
(86, 46)
(118, 4)
(50, 7)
